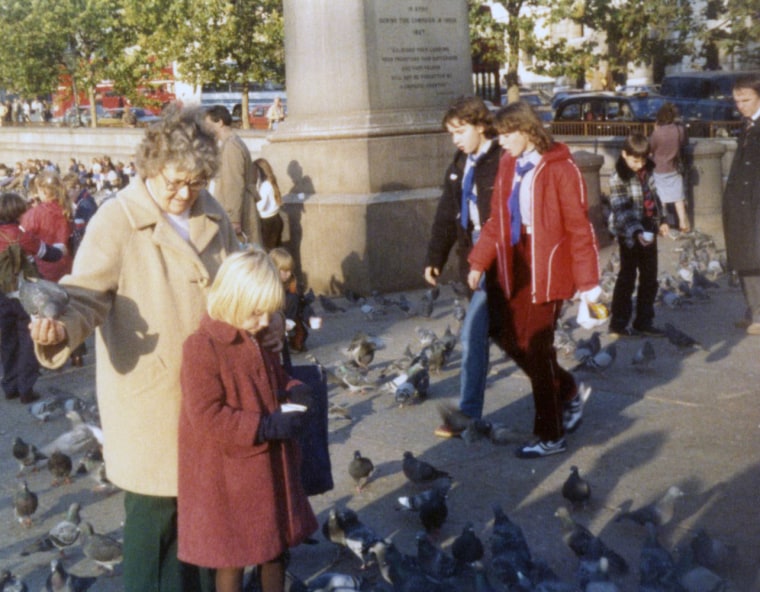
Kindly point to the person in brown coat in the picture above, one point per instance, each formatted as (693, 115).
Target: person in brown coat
(241, 501)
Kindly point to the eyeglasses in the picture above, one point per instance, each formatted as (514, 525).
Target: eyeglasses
(191, 184)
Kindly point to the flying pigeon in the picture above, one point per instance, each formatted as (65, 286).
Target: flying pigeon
(42, 297)
(360, 468)
(576, 489)
(419, 471)
(658, 513)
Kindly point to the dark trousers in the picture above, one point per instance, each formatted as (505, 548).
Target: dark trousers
(271, 231)
(751, 288)
(642, 260)
(150, 549)
(528, 338)
(20, 366)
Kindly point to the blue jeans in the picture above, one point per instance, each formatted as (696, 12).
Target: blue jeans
(475, 345)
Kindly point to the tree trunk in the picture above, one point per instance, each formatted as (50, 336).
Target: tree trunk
(245, 123)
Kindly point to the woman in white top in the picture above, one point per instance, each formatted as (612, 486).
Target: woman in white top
(268, 204)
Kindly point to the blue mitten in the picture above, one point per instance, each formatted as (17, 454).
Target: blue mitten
(280, 426)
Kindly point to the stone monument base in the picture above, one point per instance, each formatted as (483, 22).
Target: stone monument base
(361, 242)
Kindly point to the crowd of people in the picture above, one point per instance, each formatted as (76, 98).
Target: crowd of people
(21, 111)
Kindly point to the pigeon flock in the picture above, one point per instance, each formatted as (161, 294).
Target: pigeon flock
(496, 556)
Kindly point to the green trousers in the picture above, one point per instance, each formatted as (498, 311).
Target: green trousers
(150, 549)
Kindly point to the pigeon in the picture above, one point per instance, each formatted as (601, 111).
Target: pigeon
(27, 455)
(100, 548)
(656, 565)
(659, 513)
(435, 355)
(432, 560)
(344, 528)
(712, 553)
(11, 583)
(352, 378)
(587, 348)
(511, 559)
(334, 582)
(425, 305)
(585, 545)
(66, 532)
(94, 465)
(42, 298)
(416, 501)
(48, 408)
(412, 386)
(644, 356)
(600, 361)
(24, 504)
(467, 547)
(419, 471)
(397, 568)
(371, 312)
(60, 465)
(459, 311)
(329, 306)
(433, 513)
(453, 418)
(680, 339)
(360, 468)
(479, 429)
(576, 489)
(59, 580)
(336, 411)
(80, 438)
(361, 350)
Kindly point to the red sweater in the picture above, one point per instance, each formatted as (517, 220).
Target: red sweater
(48, 222)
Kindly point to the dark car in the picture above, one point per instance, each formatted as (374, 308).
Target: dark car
(605, 114)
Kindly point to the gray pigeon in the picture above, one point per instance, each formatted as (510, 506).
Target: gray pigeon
(24, 504)
(712, 553)
(511, 559)
(585, 545)
(26, 454)
(600, 361)
(656, 565)
(59, 464)
(418, 471)
(100, 548)
(432, 560)
(576, 489)
(645, 355)
(361, 350)
(344, 528)
(66, 532)
(453, 418)
(59, 580)
(10, 582)
(680, 339)
(41, 297)
(81, 437)
(335, 582)
(586, 348)
(360, 468)
(416, 501)
(659, 513)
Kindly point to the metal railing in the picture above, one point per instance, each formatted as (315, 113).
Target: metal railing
(696, 129)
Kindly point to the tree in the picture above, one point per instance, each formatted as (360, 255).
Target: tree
(733, 29)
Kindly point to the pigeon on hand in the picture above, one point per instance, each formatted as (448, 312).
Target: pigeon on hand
(587, 546)
(418, 471)
(100, 548)
(658, 513)
(27, 455)
(42, 298)
(467, 547)
(360, 468)
(59, 580)
(344, 528)
(24, 504)
(60, 465)
(645, 355)
(576, 489)
(680, 339)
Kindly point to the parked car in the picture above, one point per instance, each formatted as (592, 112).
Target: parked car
(70, 119)
(605, 114)
(701, 85)
(115, 117)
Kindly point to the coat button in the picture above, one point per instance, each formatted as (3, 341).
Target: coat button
(203, 282)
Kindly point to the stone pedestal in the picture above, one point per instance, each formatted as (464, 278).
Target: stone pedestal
(706, 181)
(368, 83)
(590, 165)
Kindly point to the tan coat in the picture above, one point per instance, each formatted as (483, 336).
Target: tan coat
(144, 288)
(235, 188)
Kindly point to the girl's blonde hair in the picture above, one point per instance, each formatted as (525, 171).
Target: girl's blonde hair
(246, 283)
(282, 259)
(50, 185)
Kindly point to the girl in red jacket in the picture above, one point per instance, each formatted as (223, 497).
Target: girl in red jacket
(240, 499)
(543, 243)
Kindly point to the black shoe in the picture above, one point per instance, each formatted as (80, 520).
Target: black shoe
(540, 449)
(29, 397)
(624, 332)
(13, 395)
(651, 331)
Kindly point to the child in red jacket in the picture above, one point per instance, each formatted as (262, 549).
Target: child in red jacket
(240, 499)
(20, 366)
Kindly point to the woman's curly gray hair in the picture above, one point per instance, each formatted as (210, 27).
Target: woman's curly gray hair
(180, 139)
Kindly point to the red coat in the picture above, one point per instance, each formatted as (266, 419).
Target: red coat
(11, 233)
(565, 253)
(239, 503)
(47, 221)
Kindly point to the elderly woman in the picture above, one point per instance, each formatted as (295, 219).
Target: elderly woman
(141, 277)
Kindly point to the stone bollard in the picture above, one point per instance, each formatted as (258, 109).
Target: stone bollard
(590, 164)
(706, 182)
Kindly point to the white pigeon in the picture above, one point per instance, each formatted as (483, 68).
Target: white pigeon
(80, 438)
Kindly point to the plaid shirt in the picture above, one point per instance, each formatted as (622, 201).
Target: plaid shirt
(627, 203)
